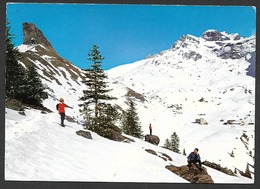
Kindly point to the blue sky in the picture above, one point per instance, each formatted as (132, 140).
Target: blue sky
(124, 33)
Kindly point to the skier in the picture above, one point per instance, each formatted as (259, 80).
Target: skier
(150, 128)
(61, 108)
(194, 158)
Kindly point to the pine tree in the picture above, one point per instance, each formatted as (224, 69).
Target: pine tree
(15, 72)
(95, 96)
(247, 172)
(184, 152)
(131, 124)
(167, 144)
(34, 89)
(175, 142)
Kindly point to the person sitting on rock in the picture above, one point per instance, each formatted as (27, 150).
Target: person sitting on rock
(194, 158)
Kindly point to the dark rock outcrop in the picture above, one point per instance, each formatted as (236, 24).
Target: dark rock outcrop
(191, 55)
(32, 35)
(164, 156)
(85, 134)
(194, 176)
(117, 136)
(213, 35)
(219, 168)
(153, 139)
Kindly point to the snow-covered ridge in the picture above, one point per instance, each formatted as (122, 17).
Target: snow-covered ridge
(199, 78)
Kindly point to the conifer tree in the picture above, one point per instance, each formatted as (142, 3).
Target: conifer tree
(95, 107)
(131, 124)
(34, 89)
(15, 72)
(167, 144)
(175, 142)
(184, 152)
(247, 172)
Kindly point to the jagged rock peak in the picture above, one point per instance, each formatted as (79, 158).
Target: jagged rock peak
(32, 35)
(214, 35)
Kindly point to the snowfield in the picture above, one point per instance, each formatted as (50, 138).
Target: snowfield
(38, 149)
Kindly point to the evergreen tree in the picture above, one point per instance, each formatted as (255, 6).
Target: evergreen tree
(15, 72)
(247, 172)
(34, 89)
(167, 144)
(131, 124)
(175, 142)
(94, 107)
(184, 152)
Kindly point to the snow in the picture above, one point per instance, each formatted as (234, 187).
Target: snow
(38, 149)
(168, 80)
(23, 48)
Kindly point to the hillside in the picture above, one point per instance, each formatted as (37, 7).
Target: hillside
(38, 150)
(208, 78)
(199, 78)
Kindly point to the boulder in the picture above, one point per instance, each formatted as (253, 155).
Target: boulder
(85, 134)
(194, 175)
(201, 121)
(117, 136)
(153, 139)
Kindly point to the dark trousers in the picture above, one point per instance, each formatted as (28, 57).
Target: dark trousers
(194, 161)
(62, 117)
(150, 131)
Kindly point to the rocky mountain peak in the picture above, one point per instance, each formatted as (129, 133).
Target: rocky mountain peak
(32, 35)
(214, 35)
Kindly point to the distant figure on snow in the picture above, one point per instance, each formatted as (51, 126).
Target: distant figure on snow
(194, 158)
(61, 108)
(150, 128)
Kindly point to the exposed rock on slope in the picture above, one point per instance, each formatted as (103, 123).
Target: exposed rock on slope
(194, 176)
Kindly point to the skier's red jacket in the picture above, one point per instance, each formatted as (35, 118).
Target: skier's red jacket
(62, 107)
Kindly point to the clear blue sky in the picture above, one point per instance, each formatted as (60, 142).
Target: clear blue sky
(124, 33)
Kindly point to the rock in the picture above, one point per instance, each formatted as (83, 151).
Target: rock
(43, 112)
(201, 121)
(32, 35)
(70, 119)
(194, 176)
(116, 135)
(219, 168)
(213, 35)
(191, 55)
(153, 139)
(85, 134)
(166, 157)
(22, 113)
(151, 151)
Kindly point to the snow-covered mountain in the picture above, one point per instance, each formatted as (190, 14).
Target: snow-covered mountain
(200, 79)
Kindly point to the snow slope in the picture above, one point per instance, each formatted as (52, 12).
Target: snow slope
(193, 80)
(38, 149)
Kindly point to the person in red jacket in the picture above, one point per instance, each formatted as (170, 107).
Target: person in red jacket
(61, 108)
(150, 128)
